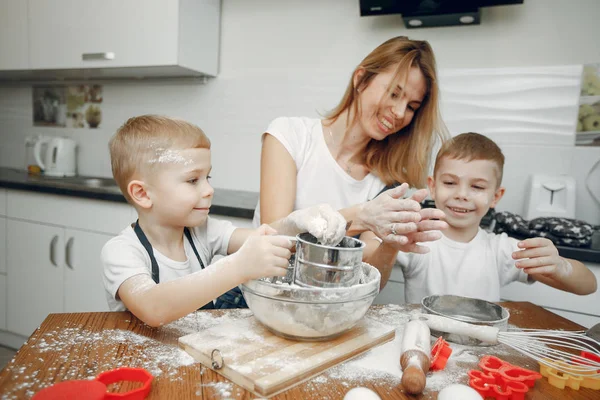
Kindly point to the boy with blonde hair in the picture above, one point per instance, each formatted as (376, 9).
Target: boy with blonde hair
(468, 261)
(158, 267)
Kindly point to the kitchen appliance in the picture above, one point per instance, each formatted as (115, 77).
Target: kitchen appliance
(248, 354)
(550, 196)
(56, 156)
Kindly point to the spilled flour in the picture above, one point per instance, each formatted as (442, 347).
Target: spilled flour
(109, 349)
(156, 357)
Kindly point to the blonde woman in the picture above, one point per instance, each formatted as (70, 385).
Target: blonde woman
(381, 133)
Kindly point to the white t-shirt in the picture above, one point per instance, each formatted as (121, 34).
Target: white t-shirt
(319, 178)
(124, 256)
(476, 269)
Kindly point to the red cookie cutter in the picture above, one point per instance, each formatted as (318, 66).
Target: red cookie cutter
(440, 352)
(97, 389)
(502, 380)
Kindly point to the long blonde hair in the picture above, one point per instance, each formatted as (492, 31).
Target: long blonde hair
(405, 155)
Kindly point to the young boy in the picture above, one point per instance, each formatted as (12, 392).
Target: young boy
(468, 261)
(158, 267)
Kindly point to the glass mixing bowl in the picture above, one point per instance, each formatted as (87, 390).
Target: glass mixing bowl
(311, 314)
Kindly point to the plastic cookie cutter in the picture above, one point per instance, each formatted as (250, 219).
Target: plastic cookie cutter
(492, 384)
(97, 389)
(502, 380)
(508, 371)
(554, 371)
(440, 352)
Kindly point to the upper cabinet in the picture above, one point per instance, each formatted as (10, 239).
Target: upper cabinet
(112, 38)
(13, 35)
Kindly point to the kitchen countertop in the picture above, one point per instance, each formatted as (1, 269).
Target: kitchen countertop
(227, 202)
(232, 203)
(81, 345)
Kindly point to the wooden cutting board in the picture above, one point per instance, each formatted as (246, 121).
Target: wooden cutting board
(266, 364)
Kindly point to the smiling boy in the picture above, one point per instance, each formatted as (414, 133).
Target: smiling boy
(468, 261)
(158, 268)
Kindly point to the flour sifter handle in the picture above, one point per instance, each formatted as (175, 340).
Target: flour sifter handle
(487, 334)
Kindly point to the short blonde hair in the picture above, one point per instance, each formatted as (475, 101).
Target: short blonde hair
(405, 155)
(142, 139)
(472, 146)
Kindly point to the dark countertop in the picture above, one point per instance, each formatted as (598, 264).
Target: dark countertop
(231, 203)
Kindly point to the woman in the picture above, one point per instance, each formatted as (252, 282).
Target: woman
(382, 132)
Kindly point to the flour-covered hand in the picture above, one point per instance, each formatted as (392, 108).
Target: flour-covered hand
(322, 221)
(263, 254)
(540, 256)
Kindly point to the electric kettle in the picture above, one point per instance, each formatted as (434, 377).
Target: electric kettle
(58, 157)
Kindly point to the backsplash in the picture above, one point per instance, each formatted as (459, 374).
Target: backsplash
(272, 65)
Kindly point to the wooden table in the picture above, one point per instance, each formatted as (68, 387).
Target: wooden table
(79, 346)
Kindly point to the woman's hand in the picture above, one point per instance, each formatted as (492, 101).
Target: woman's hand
(401, 221)
(321, 221)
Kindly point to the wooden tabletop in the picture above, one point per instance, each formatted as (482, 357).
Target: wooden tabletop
(81, 345)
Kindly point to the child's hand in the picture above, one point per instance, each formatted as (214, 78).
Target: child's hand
(322, 221)
(263, 254)
(540, 256)
(405, 236)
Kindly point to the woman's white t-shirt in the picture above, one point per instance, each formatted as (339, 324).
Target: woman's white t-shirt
(319, 178)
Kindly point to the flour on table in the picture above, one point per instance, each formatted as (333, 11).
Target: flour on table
(156, 357)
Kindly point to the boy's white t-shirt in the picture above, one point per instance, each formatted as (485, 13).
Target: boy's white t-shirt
(477, 269)
(319, 178)
(124, 256)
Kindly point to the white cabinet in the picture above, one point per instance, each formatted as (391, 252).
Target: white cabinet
(52, 270)
(115, 38)
(53, 255)
(84, 289)
(393, 292)
(3, 297)
(14, 53)
(237, 222)
(35, 275)
(2, 246)
(584, 310)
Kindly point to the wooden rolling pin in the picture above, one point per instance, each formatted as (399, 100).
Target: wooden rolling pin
(415, 356)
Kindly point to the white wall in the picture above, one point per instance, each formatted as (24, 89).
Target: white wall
(295, 57)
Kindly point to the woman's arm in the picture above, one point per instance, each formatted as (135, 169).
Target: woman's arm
(277, 181)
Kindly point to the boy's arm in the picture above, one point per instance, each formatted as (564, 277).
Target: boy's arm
(158, 304)
(540, 259)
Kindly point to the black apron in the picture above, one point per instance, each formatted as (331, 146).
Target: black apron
(231, 299)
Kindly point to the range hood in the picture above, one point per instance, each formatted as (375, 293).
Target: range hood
(432, 13)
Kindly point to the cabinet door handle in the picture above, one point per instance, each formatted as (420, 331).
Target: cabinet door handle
(109, 55)
(68, 251)
(52, 247)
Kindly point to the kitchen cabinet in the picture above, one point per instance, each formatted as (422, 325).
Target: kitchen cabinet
(237, 222)
(14, 45)
(584, 310)
(2, 246)
(35, 275)
(53, 255)
(52, 270)
(393, 292)
(3, 297)
(115, 38)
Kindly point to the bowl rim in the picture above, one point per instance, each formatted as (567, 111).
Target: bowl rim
(372, 293)
(376, 282)
(504, 311)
